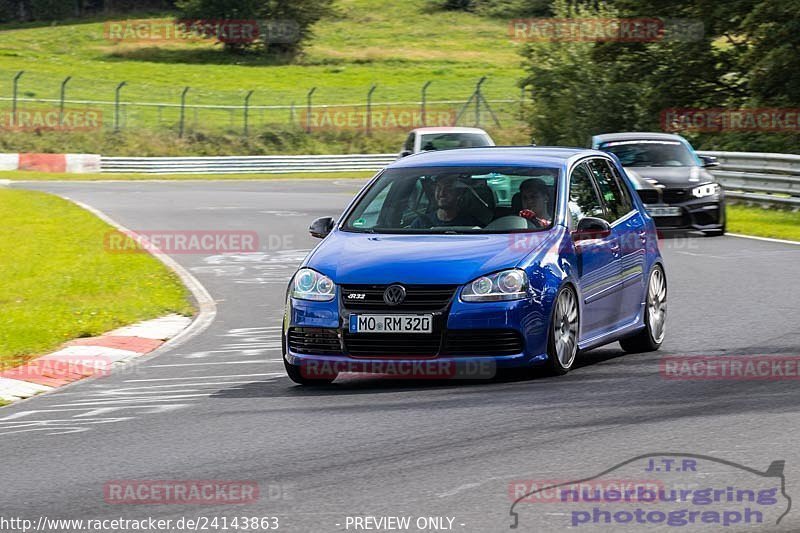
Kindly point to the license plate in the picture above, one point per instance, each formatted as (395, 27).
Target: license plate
(658, 211)
(391, 323)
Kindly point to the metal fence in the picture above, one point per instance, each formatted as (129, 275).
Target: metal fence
(123, 106)
(769, 179)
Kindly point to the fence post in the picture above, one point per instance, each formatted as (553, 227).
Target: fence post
(247, 111)
(478, 101)
(423, 109)
(116, 105)
(14, 97)
(369, 108)
(61, 104)
(183, 111)
(308, 109)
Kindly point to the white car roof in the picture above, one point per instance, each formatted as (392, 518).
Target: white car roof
(448, 129)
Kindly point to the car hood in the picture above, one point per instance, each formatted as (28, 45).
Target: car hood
(361, 258)
(646, 177)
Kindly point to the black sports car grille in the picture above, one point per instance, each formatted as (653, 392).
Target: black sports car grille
(392, 344)
(482, 342)
(675, 196)
(319, 341)
(418, 297)
(648, 196)
(470, 342)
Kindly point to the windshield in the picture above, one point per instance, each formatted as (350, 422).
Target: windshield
(457, 200)
(651, 153)
(446, 141)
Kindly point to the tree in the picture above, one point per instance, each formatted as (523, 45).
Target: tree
(286, 24)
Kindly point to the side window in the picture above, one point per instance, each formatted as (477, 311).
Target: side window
(627, 202)
(409, 143)
(583, 199)
(616, 201)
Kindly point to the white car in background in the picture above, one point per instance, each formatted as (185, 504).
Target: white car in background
(444, 138)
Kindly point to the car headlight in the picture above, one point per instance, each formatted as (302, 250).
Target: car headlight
(506, 285)
(709, 189)
(311, 285)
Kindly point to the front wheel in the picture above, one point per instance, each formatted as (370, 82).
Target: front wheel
(562, 345)
(650, 338)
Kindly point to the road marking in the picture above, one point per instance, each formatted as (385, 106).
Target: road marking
(257, 361)
(204, 377)
(766, 239)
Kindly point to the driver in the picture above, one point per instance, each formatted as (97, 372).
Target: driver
(448, 196)
(535, 195)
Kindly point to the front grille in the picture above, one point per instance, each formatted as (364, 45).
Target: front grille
(314, 341)
(392, 344)
(675, 196)
(418, 297)
(648, 196)
(482, 342)
(470, 342)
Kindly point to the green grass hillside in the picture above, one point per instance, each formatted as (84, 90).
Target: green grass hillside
(396, 45)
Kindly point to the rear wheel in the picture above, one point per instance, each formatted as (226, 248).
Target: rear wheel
(655, 316)
(562, 346)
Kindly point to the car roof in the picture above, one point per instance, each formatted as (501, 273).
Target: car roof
(492, 155)
(637, 135)
(447, 129)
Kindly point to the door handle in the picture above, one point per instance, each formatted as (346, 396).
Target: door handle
(614, 247)
(643, 236)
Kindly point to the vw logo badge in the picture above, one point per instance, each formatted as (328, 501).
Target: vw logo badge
(394, 295)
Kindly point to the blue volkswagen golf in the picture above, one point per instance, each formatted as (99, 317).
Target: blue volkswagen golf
(478, 258)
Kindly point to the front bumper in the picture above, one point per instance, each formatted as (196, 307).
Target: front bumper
(701, 214)
(469, 340)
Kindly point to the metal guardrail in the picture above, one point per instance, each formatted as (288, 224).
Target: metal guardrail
(770, 179)
(247, 164)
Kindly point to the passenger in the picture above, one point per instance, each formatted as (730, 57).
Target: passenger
(535, 196)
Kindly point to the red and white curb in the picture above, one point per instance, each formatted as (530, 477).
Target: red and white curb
(62, 163)
(83, 358)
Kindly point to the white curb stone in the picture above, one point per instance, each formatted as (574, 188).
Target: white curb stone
(14, 389)
(159, 329)
(112, 354)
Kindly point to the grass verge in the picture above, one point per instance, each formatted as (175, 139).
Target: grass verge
(57, 281)
(23, 175)
(774, 223)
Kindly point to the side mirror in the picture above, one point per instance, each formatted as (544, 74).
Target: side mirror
(709, 161)
(405, 153)
(591, 228)
(321, 227)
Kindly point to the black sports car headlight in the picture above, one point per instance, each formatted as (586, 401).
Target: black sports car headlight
(509, 284)
(709, 189)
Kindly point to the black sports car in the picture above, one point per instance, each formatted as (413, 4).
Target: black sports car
(671, 179)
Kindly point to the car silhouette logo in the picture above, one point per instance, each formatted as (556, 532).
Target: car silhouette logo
(394, 295)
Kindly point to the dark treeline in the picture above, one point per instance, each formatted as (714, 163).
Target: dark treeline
(34, 10)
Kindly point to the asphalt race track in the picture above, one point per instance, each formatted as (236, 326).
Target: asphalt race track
(219, 407)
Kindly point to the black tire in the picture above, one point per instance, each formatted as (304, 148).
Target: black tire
(645, 340)
(554, 362)
(296, 375)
